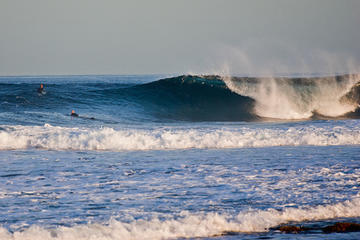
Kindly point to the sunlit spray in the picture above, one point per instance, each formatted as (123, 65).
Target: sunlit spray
(286, 98)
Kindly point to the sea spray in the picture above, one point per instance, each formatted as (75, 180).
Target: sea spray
(292, 98)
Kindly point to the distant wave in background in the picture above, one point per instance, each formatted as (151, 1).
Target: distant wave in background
(195, 98)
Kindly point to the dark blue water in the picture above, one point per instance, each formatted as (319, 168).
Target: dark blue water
(181, 157)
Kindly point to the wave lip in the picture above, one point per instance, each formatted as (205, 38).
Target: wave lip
(190, 225)
(63, 138)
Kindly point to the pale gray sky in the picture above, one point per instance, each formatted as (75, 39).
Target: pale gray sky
(178, 36)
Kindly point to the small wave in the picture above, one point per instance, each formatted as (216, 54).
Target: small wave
(190, 225)
(109, 139)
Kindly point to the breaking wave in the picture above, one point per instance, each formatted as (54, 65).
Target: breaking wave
(300, 98)
(196, 98)
(190, 225)
(105, 138)
(253, 99)
(243, 98)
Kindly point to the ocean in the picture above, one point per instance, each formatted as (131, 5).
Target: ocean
(178, 157)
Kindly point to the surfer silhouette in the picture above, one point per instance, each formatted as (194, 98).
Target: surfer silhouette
(41, 89)
(74, 114)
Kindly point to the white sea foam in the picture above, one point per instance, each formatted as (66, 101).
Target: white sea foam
(282, 99)
(63, 138)
(189, 225)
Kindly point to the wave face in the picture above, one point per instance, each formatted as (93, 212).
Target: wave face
(248, 99)
(190, 225)
(188, 98)
(205, 98)
(105, 138)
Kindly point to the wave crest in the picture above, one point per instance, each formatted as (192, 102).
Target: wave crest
(299, 98)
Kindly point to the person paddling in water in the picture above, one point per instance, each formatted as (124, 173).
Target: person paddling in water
(74, 114)
(41, 88)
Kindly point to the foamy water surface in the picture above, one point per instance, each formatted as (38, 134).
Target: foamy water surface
(174, 194)
(187, 157)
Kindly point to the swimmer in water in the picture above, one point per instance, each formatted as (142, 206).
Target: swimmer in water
(74, 114)
(41, 88)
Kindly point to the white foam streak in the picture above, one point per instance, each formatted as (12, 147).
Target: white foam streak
(61, 138)
(189, 225)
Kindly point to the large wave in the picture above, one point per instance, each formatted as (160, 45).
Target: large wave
(242, 98)
(190, 225)
(224, 98)
(106, 138)
(196, 98)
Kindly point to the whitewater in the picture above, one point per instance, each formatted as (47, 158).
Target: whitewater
(174, 157)
(161, 138)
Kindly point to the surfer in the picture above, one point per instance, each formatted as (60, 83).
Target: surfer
(41, 89)
(74, 114)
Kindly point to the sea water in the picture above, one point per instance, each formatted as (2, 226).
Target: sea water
(183, 157)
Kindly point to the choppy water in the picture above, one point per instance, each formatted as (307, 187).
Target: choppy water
(185, 157)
